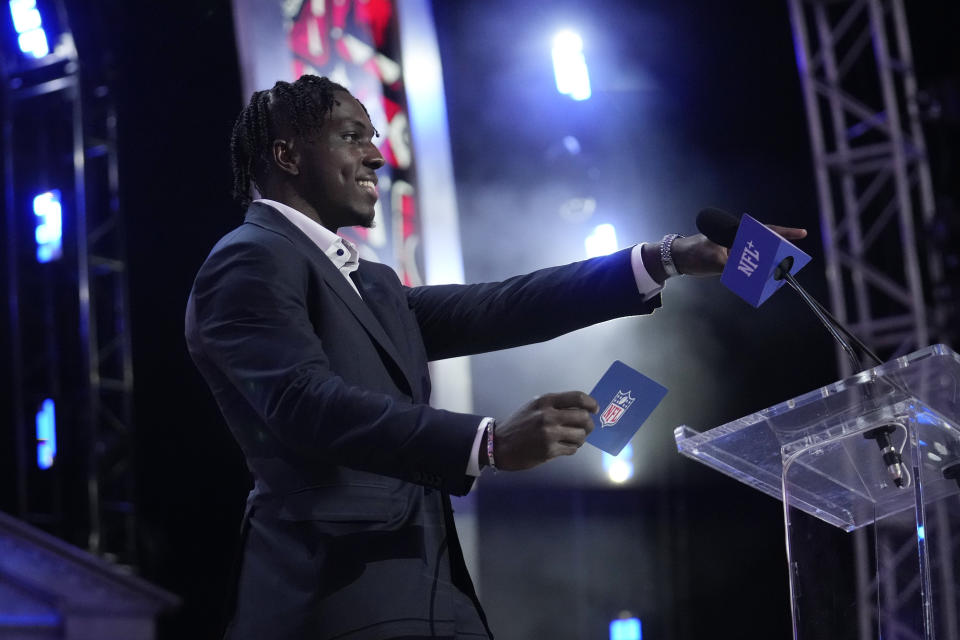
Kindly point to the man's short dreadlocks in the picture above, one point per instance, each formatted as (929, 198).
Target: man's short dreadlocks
(302, 105)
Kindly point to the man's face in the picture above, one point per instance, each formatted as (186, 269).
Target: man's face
(338, 164)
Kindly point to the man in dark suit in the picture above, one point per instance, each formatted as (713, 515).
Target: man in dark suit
(318, 362)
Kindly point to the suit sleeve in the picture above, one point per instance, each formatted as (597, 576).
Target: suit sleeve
(459, 320)
(251, 323)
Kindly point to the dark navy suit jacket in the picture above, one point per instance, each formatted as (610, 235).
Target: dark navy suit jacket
(349, 527)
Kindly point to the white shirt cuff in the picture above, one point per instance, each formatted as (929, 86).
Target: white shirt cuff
(646, 285)
(473, 464)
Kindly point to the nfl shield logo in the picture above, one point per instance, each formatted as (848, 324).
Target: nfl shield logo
(615, 410)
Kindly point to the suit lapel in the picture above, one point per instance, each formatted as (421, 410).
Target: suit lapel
(265, 216)
(381, 297)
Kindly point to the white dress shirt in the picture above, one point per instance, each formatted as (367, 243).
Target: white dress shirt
(342, 253)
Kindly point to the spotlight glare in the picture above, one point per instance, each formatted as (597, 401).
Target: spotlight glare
(568, 40)
(602, 242)
(620, 471)
(569, 66)
(619, 468)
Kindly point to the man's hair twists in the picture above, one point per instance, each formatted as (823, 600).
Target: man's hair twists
(301, 106)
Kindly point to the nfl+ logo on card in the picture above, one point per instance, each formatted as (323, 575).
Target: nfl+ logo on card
(615, 410)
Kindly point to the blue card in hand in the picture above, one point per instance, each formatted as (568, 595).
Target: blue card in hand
(626, 398)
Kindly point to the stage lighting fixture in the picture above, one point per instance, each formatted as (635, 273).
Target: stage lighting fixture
(49, 230)
(46, 434)
(569, 66)
(619, 468)
(29, 26)
(602, 242)
(626, 629)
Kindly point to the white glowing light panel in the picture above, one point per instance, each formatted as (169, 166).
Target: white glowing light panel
(29, 27)
(49, 226)
(570, 66)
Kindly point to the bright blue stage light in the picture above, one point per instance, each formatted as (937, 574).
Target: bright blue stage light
(921, 532)
(26, 16)
(569, 66)
(34, 43)
(49, 230)
(602, 242)
(29, 26)
(46, 434)
(626, 629)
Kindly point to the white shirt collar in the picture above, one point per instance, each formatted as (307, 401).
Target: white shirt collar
(342, 253)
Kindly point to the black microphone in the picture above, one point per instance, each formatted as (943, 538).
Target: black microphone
(721, 227)
(718, 225)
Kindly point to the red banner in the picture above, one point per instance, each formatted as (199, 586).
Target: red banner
(355, 43)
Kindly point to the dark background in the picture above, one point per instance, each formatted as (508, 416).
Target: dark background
(695, 104)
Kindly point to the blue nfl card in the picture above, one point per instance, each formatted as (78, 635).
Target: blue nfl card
(626, 398)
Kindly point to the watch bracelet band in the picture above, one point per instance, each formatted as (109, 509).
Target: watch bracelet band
(666, 254)
(490, 461)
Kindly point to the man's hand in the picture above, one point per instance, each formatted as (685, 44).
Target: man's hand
(555, 424)
(698, 256)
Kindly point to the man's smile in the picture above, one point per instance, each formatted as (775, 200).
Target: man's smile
(368, 185)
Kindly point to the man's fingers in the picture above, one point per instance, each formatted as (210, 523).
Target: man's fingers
(790, 233)
(569, 418)
(552, 425)
(562, 449)
(572, 436)
(568, 400)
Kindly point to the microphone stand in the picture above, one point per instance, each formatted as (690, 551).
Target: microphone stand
(881, 434)
(831, 327)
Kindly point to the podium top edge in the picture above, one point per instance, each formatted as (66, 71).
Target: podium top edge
(891, 370)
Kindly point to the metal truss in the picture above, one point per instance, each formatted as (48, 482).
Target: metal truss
(876, 203)
(110, 476)
(69, 318)
(906, 590)
(871, 168)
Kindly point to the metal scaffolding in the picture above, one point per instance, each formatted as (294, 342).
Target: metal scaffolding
(876, 203)
(69, 318)
(871, 168)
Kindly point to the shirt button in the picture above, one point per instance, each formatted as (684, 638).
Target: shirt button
(339, 252)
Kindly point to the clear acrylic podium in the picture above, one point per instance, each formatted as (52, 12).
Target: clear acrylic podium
(889, 567)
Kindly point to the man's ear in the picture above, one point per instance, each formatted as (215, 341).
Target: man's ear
(286, 156)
